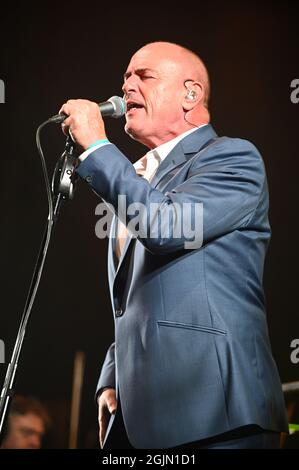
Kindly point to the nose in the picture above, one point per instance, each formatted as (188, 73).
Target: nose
(34, 442)
(130, 85)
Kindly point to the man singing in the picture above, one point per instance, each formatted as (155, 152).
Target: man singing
(191, 365)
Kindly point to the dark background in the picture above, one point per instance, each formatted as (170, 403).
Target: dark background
(54, 52)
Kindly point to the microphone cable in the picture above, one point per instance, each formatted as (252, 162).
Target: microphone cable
(7, 390)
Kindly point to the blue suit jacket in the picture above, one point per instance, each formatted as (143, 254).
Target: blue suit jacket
(191, 357)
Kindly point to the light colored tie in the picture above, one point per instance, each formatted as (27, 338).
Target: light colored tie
(145, 167)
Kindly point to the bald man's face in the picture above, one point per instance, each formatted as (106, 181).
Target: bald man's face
(154, 90)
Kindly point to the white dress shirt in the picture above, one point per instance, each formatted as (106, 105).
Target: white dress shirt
(146, 166)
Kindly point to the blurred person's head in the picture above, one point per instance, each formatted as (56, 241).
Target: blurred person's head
(26, 425)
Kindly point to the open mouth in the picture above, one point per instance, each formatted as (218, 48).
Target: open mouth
(132, 106)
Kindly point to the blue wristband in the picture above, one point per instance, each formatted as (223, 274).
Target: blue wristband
(97, 142)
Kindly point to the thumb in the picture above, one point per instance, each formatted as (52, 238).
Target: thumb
(112, 405)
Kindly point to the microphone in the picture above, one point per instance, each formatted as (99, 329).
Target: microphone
(115, 107)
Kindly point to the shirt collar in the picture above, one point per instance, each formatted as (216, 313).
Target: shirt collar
(163, 150)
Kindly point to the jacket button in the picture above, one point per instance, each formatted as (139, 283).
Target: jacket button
(88, 179)
(118, 312)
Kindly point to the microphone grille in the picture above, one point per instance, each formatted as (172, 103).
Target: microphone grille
(119, 106)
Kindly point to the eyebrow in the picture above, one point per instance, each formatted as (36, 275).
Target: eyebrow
(139, 71)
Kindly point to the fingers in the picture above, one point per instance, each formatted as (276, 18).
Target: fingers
(83, 122)
(107, 406)
(66, 126)
(76, 105)
(111, 400)
(72, 109)
(103, 425)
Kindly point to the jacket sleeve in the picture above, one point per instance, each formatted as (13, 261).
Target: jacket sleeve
(107, 376)
(222, 187)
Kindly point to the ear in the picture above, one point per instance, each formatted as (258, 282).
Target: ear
(193, 95)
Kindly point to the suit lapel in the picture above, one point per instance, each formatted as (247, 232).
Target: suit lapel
(181, 153)
(112, 258)
(130, 237)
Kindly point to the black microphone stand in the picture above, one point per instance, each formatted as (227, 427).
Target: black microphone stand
(63, 184)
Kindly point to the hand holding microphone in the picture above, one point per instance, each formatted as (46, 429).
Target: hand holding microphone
(82, 119)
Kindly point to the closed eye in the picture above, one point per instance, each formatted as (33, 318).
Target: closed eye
(143, 73)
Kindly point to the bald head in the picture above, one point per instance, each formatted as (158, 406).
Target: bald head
(190, 63)
(166, 88)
